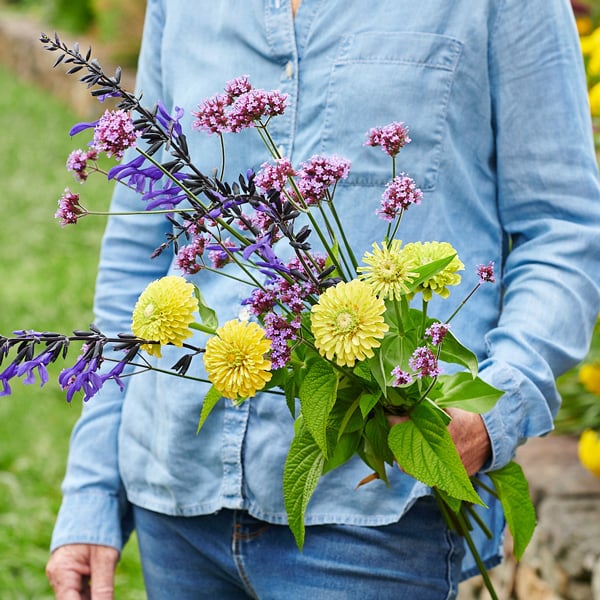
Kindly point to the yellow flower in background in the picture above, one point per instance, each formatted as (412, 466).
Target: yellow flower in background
(589, 451)
(594, 96)
(163, 313)
(235, 359)
(388, 270)
(589, 376)
(421, 253)
(348, 322)
(589, 43)
(585, 25)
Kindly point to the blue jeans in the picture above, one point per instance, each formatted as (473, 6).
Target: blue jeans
(231, 555)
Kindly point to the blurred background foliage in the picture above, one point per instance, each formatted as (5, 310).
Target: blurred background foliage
(580, 387)
(114, 25)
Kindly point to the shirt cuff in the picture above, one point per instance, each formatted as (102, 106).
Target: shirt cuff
(522, 412)
(92, 518)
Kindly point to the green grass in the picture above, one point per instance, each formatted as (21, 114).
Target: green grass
(47, 278)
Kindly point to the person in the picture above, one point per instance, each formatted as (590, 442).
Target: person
(494, 94)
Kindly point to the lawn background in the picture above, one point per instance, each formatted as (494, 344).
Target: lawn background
(47, 277)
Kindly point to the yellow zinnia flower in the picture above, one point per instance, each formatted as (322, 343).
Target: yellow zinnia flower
(388, 270)
(348, 322)
(589, 451)
(235, 359)
(421, 253)
(164, 312)
(589, 375)
(594, 97)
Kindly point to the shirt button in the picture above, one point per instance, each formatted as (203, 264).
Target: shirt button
(289, 69)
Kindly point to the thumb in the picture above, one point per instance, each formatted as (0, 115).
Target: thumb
(103, 562)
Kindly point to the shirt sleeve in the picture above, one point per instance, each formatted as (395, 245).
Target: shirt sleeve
(94, 508)
(549, 207)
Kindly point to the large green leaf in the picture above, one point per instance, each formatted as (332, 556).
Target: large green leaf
(210, 401)
(302, 471)
(317, 395)
(424, 449)
(513, 490)
(452, 351)
(462, 391)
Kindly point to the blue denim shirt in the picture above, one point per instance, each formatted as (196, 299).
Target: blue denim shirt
(494, 94)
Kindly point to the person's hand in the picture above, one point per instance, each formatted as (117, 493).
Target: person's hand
(470, 437)
(82, 572)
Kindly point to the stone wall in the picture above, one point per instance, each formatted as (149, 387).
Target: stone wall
(21, 51)
(562, 561)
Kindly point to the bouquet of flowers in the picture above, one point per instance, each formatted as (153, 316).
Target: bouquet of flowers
(339, 339)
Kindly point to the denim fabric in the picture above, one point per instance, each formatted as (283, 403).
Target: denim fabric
(495, 98)
(231, 555)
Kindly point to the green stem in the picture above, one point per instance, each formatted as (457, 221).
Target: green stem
(462, 521)
(343, 234)
(468, 296)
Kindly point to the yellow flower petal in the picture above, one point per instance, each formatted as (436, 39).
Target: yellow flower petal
(421, 253)
(589, 376)
(348, 323)
(589, 451)
(388, 270)
(163, 313)
(235, 359)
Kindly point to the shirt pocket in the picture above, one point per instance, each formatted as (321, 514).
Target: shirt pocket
(380, 77)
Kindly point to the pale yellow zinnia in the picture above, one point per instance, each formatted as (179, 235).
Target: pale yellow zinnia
(422, 253)
(388, 270)
(589, 451)
(235, 359)
(163, 313)
(589, 375)
(348, 323)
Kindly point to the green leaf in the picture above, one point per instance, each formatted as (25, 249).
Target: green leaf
(302, 471)
(424, 449)
(513, 490)
(452, 351)
(427, 271)
(210, 401)
(317, 395)
(367, 401)
(344, 450)
(208, 316)
(460, 390)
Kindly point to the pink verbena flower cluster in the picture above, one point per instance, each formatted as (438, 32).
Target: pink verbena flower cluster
(437, 332)
(391, 138)
(424, 361)
(486, 273)
(274, 176)
(114, 133)
(401, 377)
(78, 161)
(281, 331)
(318, 174)
(69, 209)
(399, 194)
(239, 107)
